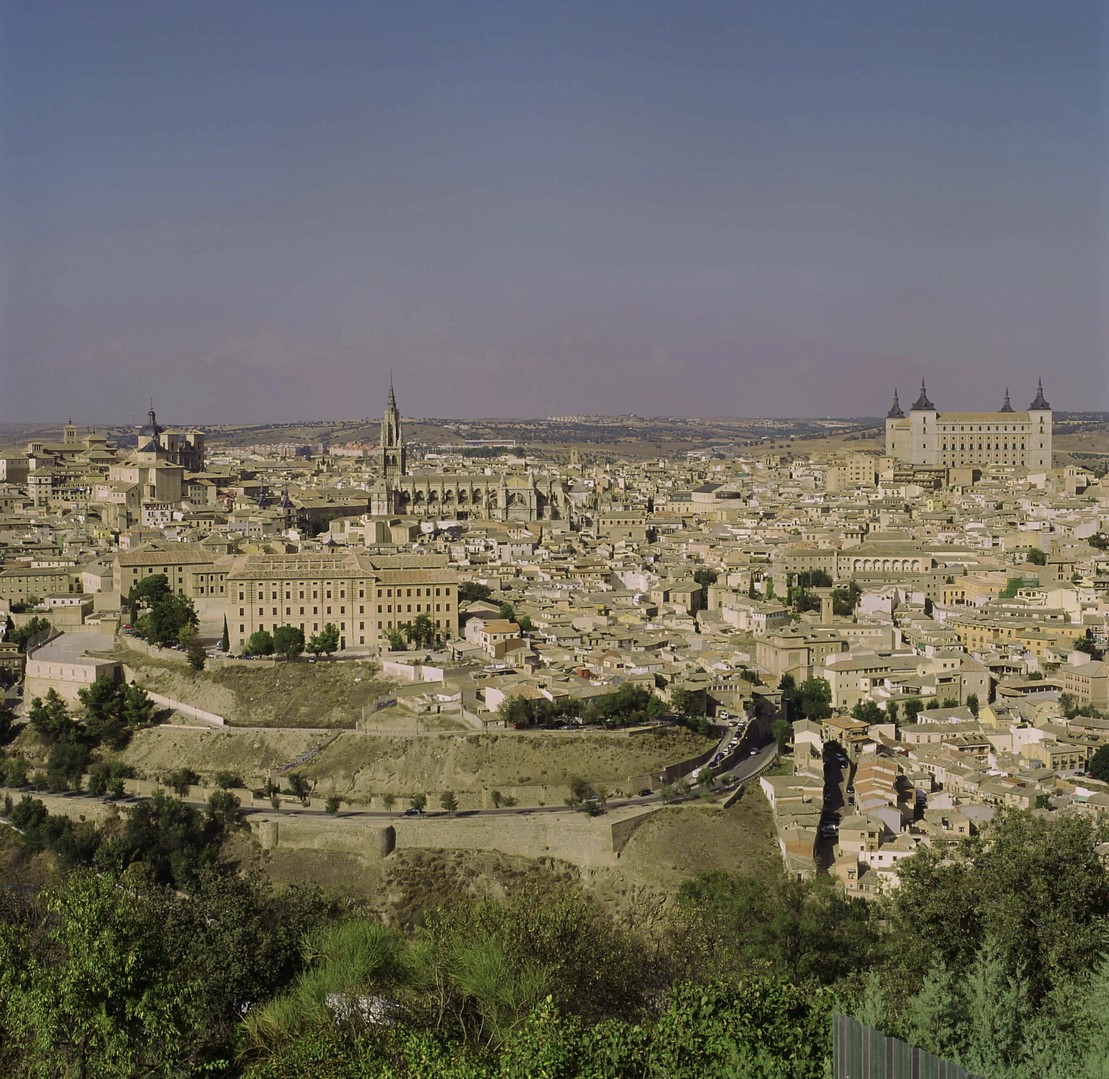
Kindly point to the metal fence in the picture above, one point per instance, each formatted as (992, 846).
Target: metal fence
(862, 1052)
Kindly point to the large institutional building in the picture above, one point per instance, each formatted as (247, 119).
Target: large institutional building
(928, 438)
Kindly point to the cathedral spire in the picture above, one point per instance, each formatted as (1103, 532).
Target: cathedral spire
(1039, 404)
(1007, 407)
(393, 456)
(922, 403)
(895, 412)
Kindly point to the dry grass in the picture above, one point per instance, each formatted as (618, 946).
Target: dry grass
(297, 694)
(356, 765)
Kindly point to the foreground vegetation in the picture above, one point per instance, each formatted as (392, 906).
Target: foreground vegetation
(147, 953)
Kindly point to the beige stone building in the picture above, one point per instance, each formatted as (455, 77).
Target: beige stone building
(932, 439)
(364, 595)
(496, 496)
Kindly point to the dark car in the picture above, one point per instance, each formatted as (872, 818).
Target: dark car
(646, 792)
(414, 812)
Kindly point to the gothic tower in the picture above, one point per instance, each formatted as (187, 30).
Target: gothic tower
(393, 457)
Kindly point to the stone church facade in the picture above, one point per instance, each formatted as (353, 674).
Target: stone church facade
(499, 496)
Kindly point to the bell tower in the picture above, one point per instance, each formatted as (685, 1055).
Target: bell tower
(393, 457)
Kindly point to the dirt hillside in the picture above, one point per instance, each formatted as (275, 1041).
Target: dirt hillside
(297, 694)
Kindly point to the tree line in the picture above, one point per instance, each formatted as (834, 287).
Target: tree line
(149, 954)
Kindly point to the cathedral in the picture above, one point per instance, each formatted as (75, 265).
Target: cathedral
(928, 438)
(508, 495)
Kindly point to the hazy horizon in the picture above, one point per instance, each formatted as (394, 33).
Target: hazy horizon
(252, 212)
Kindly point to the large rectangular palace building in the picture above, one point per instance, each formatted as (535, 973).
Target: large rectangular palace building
(929, 438)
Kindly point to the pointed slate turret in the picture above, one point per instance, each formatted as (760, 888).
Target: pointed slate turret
(895, 412)
(922, 403)
(1006, 407)
(1040, 404)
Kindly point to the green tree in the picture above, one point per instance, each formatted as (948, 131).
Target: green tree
(100, 996)
(868, 712)
(50, 719)
(223, 807)
(421, 632)
(197, 654)
(15, 771)
(1099, 764)
(508, 612)
(226, 780)
(168, 617)
(396, 639)
(388, 801)
(449, 802)
(418, 801)
(31, 630)
(783, 733)
(1033, 886)
(66, 764)
(325, 642)
(181, 781)
(332, 804)
(913, 707)
(814, 698)
(1037, 557)
(99, 778)
(705, 577)
(288, 641)
(845, 600)
(103, 703)
(471, 591)
(225, 638)
(972, 703)
(138, 708)
(259, 643)
(1088, 645)
(299, 787)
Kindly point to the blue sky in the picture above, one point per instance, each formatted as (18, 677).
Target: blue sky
(254, 211)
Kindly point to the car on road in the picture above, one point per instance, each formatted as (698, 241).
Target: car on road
(646, 792)
(752, 753)
(829, 830)
(414, 811)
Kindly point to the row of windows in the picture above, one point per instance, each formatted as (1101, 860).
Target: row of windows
(388, 609)
(987, 446)
(407, 593)
(303, 627)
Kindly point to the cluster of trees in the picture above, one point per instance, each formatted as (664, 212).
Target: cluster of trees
(113, 711)
(624, 707)
(151, 957)
(288, 641)
(421, 632)
(810, 699)
(1087, 644)
(33, 629)
(169, 619)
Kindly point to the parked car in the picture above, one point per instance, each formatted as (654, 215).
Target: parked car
(413, 812)
(646, 792)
